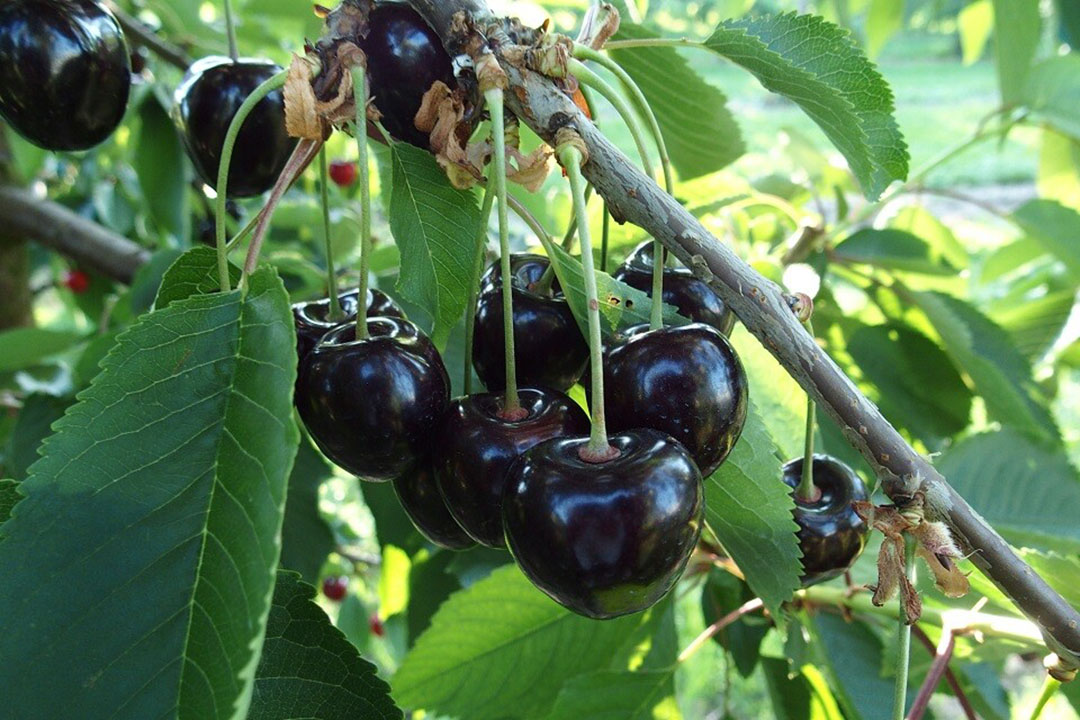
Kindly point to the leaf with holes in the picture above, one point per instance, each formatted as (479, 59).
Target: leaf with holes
(818, 66)
(157, 509)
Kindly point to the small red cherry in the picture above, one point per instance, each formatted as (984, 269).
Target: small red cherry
(77, 281)
(335, 588)
(343, 173)
(376, 626)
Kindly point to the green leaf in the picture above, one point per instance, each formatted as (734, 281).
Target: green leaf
(35, 421)
(9, 496)
(306, 539)
(803, 697)
(1056, 227)
(615, 695)
(154, 519)
(1026, 490)
(883, 20)
(724, 593)
(853, 661)
(393, 581)
(815, 64)
(308, 669)
(1059, 168)
(975, 24)
(621, 306)
(918, 385)
(780, 402)
(750, 508)
(1061, 572)
(22, 348)
(1017, 28)
(943, 243)
(502, 644)
(1036, 324)
(700, 132)
(1000, 374)
(435, 226)
(1069, 15)
(159, 163)
(194, 273)
(894, 250)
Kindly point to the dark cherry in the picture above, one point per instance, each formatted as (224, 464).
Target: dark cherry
(549, 347)
(685, 381)
(206, 101)
(313, 317)
(343, 173)
(65, 74)
(335, 588)
(372, 405)
(693, 298)
(419, 496)
(476, 445)
(831, 534)
(604, 539)
(405, 57)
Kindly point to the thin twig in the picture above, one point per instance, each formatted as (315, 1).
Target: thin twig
(950, 677)
(710, 632)
(942, 655)
(140, 34)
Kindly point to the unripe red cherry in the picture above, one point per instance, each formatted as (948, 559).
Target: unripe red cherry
(77, 281)
(343, 173)
(376, 625)
(335, 588)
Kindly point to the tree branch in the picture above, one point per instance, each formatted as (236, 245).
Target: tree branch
(763, 310)
(22, 214)
(138, 33)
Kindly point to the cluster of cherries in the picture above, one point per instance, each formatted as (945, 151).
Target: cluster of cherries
(603, 534)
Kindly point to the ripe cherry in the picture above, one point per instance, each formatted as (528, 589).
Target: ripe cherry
(206, 101)
(405, 57)
(604, 539)
(335, 588)
(313, 317)
(371, 405)
(693, 298)
(684, 381)
(831, 534)
(476, 444)
(343, 173)
(420, 498)
(77, 281)
(550, 350)
(65, 75)
(376, 625)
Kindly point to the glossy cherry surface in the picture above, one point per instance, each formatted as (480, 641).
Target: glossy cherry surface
(420, 498)
(335, 588)
(372, 405)
(405, 57)
(313, 317)
(685, 381)
(693, 298)
(65, 73)
(206, 101)
(475, 447)
(604, 539)
(549, 347)
(343, 173)
(831, 534)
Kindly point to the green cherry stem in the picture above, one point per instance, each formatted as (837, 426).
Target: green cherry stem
(1048, 689)
(529, 219)
(605, 237)
(598, 448)
(806, 489)
(474, 291)
(360, 93)
(233, 132)
(511, 402)
(230, 31)
(331, 275)
(903, 641)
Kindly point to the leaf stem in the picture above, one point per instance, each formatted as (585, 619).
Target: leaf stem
(511, 402)
(653, 43)
(474, 290)
(605, 236)
(806, 490)
(1048, 689)
(230, 31)
(233, 132)
(598, 447)
(903, 641)
(360, 95)
(331, 275)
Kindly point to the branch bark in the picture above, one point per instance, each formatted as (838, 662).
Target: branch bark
(23, 214)
(763, 310)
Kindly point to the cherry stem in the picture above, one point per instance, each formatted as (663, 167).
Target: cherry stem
(903, 640)
(360, 95)
(1050, 686)
(331, 275)
(543, 285)
(233, 132)
(942, 655)
(717, 627)
(605, 236)
(230, 31)
(806, 490)
(529, 219)
(511, 402)
(474, 292)
(598, 447)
